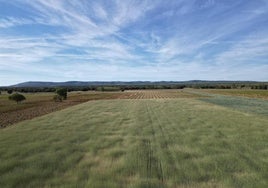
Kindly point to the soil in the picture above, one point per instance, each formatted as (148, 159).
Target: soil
(9, 118)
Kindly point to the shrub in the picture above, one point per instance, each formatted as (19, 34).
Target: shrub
(9, 91)
(57, 98)
(62, 92)
(108, 88)
(17, 97)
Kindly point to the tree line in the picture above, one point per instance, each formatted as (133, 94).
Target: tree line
(262, 86)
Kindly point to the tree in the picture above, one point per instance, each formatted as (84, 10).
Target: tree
(57, 98)
(9, 91)
(17, 97)
(62, 92)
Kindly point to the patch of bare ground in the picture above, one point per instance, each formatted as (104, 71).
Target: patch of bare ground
(9, 118)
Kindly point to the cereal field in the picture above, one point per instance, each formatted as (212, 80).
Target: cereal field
(167, 139)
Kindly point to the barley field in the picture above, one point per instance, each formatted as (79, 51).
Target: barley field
(185, 141)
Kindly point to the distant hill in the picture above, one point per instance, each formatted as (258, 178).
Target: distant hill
(119, 83)
(76, 83)
(81, 84)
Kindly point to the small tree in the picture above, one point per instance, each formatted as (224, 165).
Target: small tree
(57, 98)
(62, 92)
(17, 97)
(9, 91)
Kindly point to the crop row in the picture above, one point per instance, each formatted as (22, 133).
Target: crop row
(156, 94)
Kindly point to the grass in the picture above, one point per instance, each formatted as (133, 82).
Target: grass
(251, 93)
(254, 106)
(138, 143)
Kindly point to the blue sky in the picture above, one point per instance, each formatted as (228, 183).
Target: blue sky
(126, 40)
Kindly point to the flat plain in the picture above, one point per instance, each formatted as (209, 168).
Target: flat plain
(164, 139)
(38, 104)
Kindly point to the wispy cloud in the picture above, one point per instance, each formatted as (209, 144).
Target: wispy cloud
(11, 21)
(249, 50)
(138, 40)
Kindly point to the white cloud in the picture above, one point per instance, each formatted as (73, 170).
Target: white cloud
(129, 11)
(250, 50)
(13, 21)
(100, 12)
(142, 38)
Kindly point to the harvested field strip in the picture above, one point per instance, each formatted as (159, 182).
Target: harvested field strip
(137, 143)
(261, 94)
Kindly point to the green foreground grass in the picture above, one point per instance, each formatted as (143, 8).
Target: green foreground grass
(137, 143)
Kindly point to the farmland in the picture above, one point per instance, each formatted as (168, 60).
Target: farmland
(155, 138)
(262, 94)
(38, 104)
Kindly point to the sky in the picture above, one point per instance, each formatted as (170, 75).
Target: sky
(133, 40)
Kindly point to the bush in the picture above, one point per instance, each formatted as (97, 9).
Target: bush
(108, 88)
(57, 98)
(62, 92)
(17, 97)
(9, 91)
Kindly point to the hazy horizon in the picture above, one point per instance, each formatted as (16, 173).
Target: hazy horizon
(58, 41)
(132, 81)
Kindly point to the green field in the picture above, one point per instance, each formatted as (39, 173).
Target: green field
(218, 141)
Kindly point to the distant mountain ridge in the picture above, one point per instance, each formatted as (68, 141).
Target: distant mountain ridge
(121, 83)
